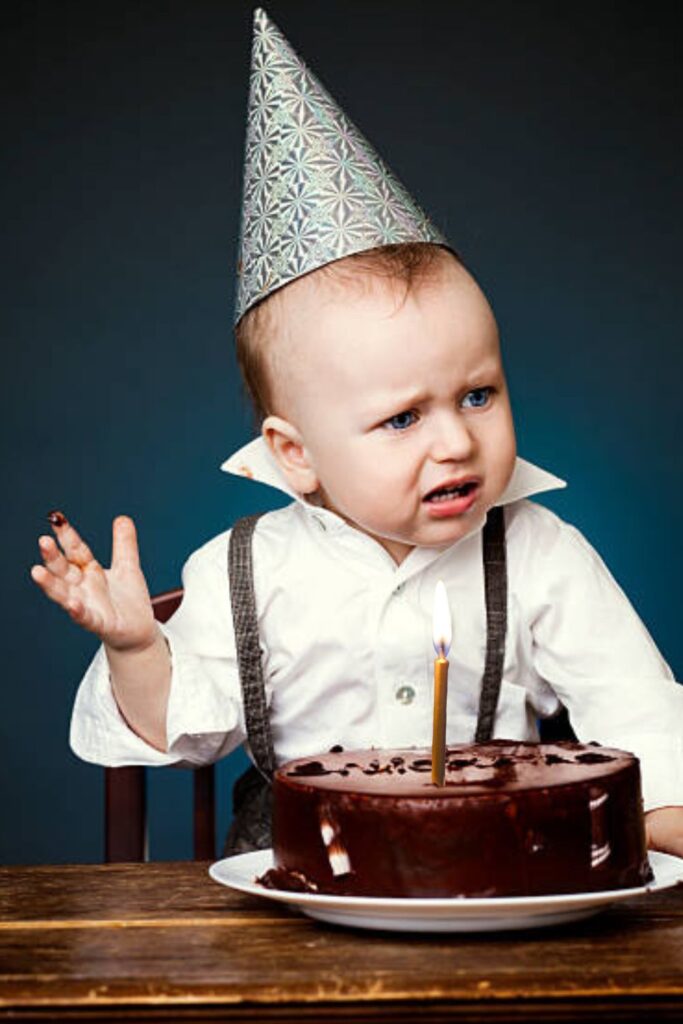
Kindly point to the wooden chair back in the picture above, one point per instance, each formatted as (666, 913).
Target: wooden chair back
(125, 803)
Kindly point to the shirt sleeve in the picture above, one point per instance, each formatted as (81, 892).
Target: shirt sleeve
(595, 652)
(204, 718)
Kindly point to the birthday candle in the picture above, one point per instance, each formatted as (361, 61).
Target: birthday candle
(442, 642)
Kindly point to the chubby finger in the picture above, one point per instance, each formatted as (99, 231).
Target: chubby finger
(52, 586)
(59, 592)
(73, 545)
(125, 553)
(55, 561)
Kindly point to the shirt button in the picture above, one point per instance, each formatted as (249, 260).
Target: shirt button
(405, 694)
(397, 590)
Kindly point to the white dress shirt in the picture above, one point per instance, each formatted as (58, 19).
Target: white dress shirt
(347, 645)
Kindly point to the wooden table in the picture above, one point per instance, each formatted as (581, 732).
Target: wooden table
(163, 942)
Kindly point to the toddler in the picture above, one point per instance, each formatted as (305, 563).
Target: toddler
(376, 371)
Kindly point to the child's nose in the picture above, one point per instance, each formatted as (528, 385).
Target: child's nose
(451, 439)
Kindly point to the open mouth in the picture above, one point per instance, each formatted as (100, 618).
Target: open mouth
(448, 493)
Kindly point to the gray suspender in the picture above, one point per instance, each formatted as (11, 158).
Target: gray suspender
(496, 591)
(250, 828)
(243, 601)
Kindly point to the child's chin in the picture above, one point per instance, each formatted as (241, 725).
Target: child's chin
(446, 531)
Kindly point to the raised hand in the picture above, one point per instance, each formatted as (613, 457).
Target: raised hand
(113, 603)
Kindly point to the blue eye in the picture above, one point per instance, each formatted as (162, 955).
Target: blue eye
(479, 397)
(402, 420)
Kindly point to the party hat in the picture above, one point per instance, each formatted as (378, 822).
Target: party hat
(314, 188)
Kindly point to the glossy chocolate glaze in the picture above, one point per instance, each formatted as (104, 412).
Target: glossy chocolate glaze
(512, 819)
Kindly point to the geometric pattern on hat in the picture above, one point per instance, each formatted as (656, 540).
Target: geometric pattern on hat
(314, 189)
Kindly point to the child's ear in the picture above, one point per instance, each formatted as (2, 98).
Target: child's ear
(287, 446)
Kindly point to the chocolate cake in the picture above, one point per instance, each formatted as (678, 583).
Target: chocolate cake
(512, 819)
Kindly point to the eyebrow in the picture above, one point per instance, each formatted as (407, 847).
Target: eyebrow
(488, 369)
(407, 399)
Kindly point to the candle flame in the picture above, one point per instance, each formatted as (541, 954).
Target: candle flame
(443, 630)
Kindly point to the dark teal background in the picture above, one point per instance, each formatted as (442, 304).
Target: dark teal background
(543, 137)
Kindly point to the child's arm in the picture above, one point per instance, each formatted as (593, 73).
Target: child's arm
(115, 605)
(592, 649)
(664, 827)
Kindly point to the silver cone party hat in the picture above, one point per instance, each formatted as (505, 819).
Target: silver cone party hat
(314, 188)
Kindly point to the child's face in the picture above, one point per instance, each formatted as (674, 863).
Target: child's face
(386, 407)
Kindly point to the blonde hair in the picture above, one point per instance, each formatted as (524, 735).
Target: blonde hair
(407, 263)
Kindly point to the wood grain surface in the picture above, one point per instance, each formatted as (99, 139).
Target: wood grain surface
(162, 941)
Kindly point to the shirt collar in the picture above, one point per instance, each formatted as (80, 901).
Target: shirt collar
(255, 462)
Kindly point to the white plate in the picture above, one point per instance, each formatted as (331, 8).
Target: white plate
(439, 915)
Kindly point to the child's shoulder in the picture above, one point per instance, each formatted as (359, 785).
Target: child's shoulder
(536, 532)
(527, 514)
(271, 529)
